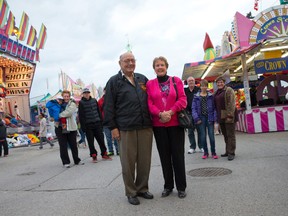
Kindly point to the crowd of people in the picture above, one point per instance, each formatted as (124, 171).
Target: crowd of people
(131, 111)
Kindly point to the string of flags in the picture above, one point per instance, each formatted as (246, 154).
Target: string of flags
(8, 28)
(256, 5)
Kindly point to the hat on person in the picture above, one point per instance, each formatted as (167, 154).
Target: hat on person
(59, 97)
(86, 90)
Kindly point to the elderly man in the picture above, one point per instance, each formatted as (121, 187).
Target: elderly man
(127, 116)
(190, 91)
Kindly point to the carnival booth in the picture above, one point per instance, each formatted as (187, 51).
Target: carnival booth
(256, 60)
(19, 51)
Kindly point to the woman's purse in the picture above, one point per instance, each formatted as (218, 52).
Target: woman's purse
(183, 117)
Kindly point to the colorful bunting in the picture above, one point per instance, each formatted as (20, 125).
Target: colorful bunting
(256, 6)
(8, 28)
(4, 8)
(10, 24)
(32, 36)
(42, 37)
(23, 27)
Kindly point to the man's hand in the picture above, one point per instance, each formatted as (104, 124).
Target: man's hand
(115, 134)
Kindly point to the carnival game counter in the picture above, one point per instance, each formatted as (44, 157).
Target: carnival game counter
(263, 119)
(21, 130)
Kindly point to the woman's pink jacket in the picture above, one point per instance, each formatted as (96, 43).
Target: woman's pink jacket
(155, 104)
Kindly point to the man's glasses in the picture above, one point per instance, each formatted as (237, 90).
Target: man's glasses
(129, 60)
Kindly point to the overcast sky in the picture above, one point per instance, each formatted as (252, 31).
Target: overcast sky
(85, 38)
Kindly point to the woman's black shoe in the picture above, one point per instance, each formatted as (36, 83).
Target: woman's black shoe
(224, 155)
(181, 194)
(166, 192)
(231, 157)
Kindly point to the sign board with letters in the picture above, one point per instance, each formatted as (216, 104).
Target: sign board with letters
(18, 80)
(271, 65)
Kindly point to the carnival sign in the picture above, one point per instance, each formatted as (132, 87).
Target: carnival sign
(18, 80)
(270, 65)
(271, 23)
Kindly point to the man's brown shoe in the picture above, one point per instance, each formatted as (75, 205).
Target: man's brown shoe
(145, 195)
(133, 200)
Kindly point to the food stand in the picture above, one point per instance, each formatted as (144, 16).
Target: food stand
(261, 50)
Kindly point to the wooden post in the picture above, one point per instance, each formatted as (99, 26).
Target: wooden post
(246, 82)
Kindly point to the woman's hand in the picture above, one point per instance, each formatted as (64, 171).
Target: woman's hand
(165, 116)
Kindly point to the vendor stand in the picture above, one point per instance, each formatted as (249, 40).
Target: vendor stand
(262, 45)
(19, 49)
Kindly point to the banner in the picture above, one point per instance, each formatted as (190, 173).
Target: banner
(4, 8)
(10, 24)
(32, 36)
(23, 27)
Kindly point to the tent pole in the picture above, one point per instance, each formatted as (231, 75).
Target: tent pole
(246, 82)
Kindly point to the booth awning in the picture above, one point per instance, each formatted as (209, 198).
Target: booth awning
(232, 62)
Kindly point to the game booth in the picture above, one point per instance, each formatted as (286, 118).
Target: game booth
(19, 51)
(254, 59)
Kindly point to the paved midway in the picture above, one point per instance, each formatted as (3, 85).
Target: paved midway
(33, 182)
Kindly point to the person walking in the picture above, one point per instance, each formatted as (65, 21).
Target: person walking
(81, 133)
(204, 115)
(190, 91)
(3, 141)
(107, 131)
(127, 116)
(166, 97)
(43, 131)
(91, 124)
(227, 115)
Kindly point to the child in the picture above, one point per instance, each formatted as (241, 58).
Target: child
(3, 134)
(54, 108)
(43, 131)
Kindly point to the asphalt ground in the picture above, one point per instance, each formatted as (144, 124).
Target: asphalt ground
(34, 182)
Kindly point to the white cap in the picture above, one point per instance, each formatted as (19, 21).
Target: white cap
(59, 97)
(86, 90)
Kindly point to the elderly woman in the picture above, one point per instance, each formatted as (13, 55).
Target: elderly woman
(66, 132)
(163, 104)
(227, 116)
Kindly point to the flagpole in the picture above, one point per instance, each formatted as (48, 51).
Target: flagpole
(59, 74)
(47, 85)
(62, 78)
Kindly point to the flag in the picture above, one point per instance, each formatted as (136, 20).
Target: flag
(42, 37)
(23, 27)
(10, 24)
(4, 8)
(256, 5)
(32, 36)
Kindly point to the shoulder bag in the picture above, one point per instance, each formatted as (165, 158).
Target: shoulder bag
(183, 117)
